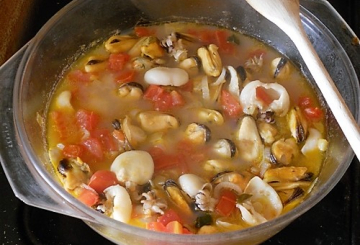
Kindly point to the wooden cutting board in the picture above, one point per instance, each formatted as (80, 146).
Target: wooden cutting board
(14, 28)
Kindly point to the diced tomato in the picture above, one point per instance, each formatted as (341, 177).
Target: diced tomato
(188, 153)
(93, 146)
(102, 179)
(108, 142)
(174, 227)
(117, 61)
(143, 31)
(313, 113)
(184, 155)
(88, 197)
(156, 226)
(169, 216)
(262, 95)
(185, 147)
(79, 76)
(72, 151)
(223, 43)
(125, 76)
(152, 92)
(227, 203)
(163, 100)
(176, 98)
(66, 127)
(304, 102)
(230, 105)
(156, 152)
(163, 160)
(87, 119)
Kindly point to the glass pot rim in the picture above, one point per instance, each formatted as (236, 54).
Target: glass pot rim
(62, 195)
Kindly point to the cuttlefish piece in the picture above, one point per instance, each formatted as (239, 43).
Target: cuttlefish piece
(120, 202)
(314, 142)
(277, 96)
(263, 204)
(248, 140)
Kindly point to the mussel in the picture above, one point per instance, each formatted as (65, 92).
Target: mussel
(133, 133)
(290, 173)
(120, 43)
(73, 172)
(198, 133)
(297, 124)
(210, 59)
(225, 148)
(96, 64)
(283, 151)
(209, 116)
(287, 196)
(267, 132)
(131, 90)
(238, 179)
(280, 67)
(177, 196)
(191, 65)
(155, 121)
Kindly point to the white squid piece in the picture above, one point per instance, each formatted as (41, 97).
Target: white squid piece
(249, 214)
(166, 76)
(191, 184)
(63, 101)
(264, 203)
(280, 98)
(135, 166)
(234, 84)
(122, 206)
(314, 142)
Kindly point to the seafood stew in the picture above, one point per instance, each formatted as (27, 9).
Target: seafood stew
(186, 128)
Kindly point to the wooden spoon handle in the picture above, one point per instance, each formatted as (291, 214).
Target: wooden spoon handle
(327, 87)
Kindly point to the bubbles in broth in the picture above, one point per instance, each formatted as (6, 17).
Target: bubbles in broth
(186, 128)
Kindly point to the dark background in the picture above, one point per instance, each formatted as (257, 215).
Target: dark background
(333, 221)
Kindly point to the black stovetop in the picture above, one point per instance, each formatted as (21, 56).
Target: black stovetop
(335, 220)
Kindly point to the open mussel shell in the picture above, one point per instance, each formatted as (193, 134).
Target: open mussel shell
(179, 198)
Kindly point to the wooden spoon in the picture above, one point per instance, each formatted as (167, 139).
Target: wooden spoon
(286, 15)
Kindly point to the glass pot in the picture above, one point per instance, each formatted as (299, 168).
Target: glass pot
(28, 79)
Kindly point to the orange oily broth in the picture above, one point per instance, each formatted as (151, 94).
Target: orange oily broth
(100, 96)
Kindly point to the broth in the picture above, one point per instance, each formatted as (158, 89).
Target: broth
(186, 128)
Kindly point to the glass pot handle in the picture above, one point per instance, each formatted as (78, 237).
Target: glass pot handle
(29, 189)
